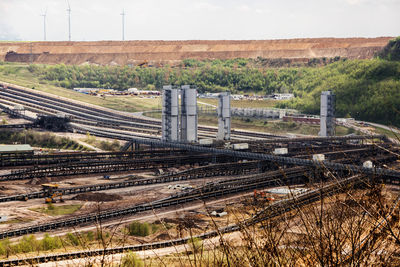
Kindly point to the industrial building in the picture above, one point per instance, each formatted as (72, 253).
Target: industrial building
(179, 124)
(170, 114)
(327, 124)
(188, 126)
(224, 116)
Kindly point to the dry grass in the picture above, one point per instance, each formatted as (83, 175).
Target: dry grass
(56, 210)
(244, 103)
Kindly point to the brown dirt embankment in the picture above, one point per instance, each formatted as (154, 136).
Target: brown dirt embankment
(136, 52)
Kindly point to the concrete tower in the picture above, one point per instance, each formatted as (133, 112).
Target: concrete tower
(224, 116)
(170, 113)
(188, 114)
(327, 123)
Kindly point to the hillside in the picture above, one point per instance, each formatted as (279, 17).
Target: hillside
(391, 51)
(365, 89)
(171, 52)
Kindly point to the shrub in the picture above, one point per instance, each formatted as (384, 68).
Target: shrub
(90, 236)
(130, 259)
(139, 229)
(50, 243)
(5, 247)
(38, 139)
(27, 244)
(50, 206)
(73, 239)
(195, 244)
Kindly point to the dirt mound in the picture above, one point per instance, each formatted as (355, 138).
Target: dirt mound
(97, 197)
(162, 237)
(172, 52)
(39, 181)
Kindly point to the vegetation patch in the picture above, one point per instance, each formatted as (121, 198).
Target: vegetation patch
(142, 229)
(365, 89)
(17, 220)
(130, 259)
(102, 144)
(39, 139)
(388, 133)
(55, 210)
(391, 51)
(29, 244)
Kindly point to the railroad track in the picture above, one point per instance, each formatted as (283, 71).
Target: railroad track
(214, 170)
(274, 210)
(276, 178)
(395, 174)
(329, 139)
(92, 163)
(236, 168)
(82, 118)
(115, 166)
(25, 159)
(78, 111)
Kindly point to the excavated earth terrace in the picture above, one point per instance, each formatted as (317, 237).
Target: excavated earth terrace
(140, 52)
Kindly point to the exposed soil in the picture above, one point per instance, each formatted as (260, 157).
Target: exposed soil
(172, 52)
(97, 197)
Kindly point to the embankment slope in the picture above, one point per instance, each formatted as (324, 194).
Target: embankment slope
(136, 52)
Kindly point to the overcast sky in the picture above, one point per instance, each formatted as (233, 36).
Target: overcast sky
(199, 19)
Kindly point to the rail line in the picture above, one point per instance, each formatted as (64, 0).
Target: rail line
(394, 174)
(17, 126)
(153, 129)
(95, 119)
(94, 114)
(276, 178)
(155, 125)
(274, 210)
(92, 163)
(235, 168)
(213, 170)
(24, 159)
(329, 139)
(94, 167)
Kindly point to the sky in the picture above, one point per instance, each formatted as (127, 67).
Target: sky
(198, 19)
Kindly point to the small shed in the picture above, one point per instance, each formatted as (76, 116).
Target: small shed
(6, 149)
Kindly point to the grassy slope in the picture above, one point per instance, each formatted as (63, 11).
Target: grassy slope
(39, 139)
(365, 89)
(388, 133)
(19, 74)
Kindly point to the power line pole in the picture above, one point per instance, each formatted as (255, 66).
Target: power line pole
(69, 21)
(44, 24)
(123, 24)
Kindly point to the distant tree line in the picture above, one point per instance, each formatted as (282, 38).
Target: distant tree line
(365, 89)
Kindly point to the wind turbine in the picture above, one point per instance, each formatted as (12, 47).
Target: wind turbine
(69, 21)
(44, 24)
(123, 24)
